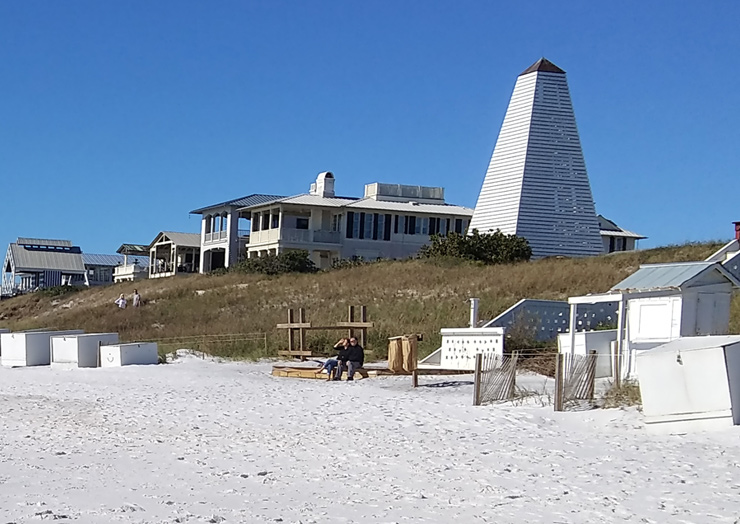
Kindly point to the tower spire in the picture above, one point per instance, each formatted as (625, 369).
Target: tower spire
(536, 185)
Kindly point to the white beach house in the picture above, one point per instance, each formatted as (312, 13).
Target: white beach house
(389, 221)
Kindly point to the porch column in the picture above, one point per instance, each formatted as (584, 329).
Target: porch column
(173, 257)
(572, 328)
(203, 231)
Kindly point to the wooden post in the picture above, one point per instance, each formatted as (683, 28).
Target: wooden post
(477, 379)
(301, 331)
(414, 379)
(363, 331)
(350, 318)
(591, 378)
(291, 339)
(512, 378)
(559, 381)
(98, 359)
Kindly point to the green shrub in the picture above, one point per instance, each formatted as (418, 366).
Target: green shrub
(58, 291)
(288, 262)
(489, 248)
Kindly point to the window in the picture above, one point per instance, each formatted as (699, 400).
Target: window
(410, 228)
(458, 225)
(368, 226)
(350, 230)
(336, 222)
(443, 225)
(425, 226)
(266, 220)
(256, 222)
(387, 228)
(276, 221)
(395, 225)
(301, 223)
(378, 225)
(417, 225)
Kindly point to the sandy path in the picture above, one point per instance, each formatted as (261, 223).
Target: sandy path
(198, 441)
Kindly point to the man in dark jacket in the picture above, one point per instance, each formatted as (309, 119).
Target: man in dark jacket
(352, 358)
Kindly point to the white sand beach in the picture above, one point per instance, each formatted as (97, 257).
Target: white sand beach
(204, 441)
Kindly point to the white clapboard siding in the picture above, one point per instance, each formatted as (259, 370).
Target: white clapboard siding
(536, 185)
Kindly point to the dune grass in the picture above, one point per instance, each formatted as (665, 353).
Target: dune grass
(413, 296)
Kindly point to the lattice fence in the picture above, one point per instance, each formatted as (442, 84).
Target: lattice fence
(495, 378)
(574, 380)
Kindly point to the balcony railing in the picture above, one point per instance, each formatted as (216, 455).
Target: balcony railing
(327, 237)
(216, 236)
(295, 235)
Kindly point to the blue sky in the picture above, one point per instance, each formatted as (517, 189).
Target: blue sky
(118, 118)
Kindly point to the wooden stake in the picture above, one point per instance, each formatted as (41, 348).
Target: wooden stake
(559, 381)
(301, 331)
(363, 331)
(414, 379)
(477, 379)
(290, 331)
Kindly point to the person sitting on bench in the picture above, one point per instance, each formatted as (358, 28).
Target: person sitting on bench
(331, 363)
(352, 359)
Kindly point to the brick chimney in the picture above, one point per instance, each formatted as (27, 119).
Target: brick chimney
(737, 231)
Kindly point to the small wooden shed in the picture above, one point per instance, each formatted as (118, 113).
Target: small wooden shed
(690, 384)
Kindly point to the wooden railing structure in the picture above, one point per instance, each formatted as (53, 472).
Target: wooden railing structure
(297, 328)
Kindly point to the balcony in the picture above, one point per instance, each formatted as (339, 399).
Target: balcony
(216, 236)
(295, 235)
(326, 237)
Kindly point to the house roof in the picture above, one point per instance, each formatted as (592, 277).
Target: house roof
(179, 239)
(409, 207)
(669, 276)
(43, 242)
(694, 343)
(318, 200)
(26, 260)
(132, 249)
(246, 201)
(607, 228)
(542, 65)
(91, 259)
(375, 205)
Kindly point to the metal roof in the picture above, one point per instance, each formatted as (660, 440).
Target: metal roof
(91, 259)
(668, 276)
(607, 228)
(32, 260)
(318, 200)
(43, 242)
(542, 65)
(694, 343)
(246, 201)
(179, 239)
(408, 207)
(623, 233)
(131, 249)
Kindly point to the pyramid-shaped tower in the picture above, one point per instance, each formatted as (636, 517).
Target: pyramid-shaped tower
(536, 185)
